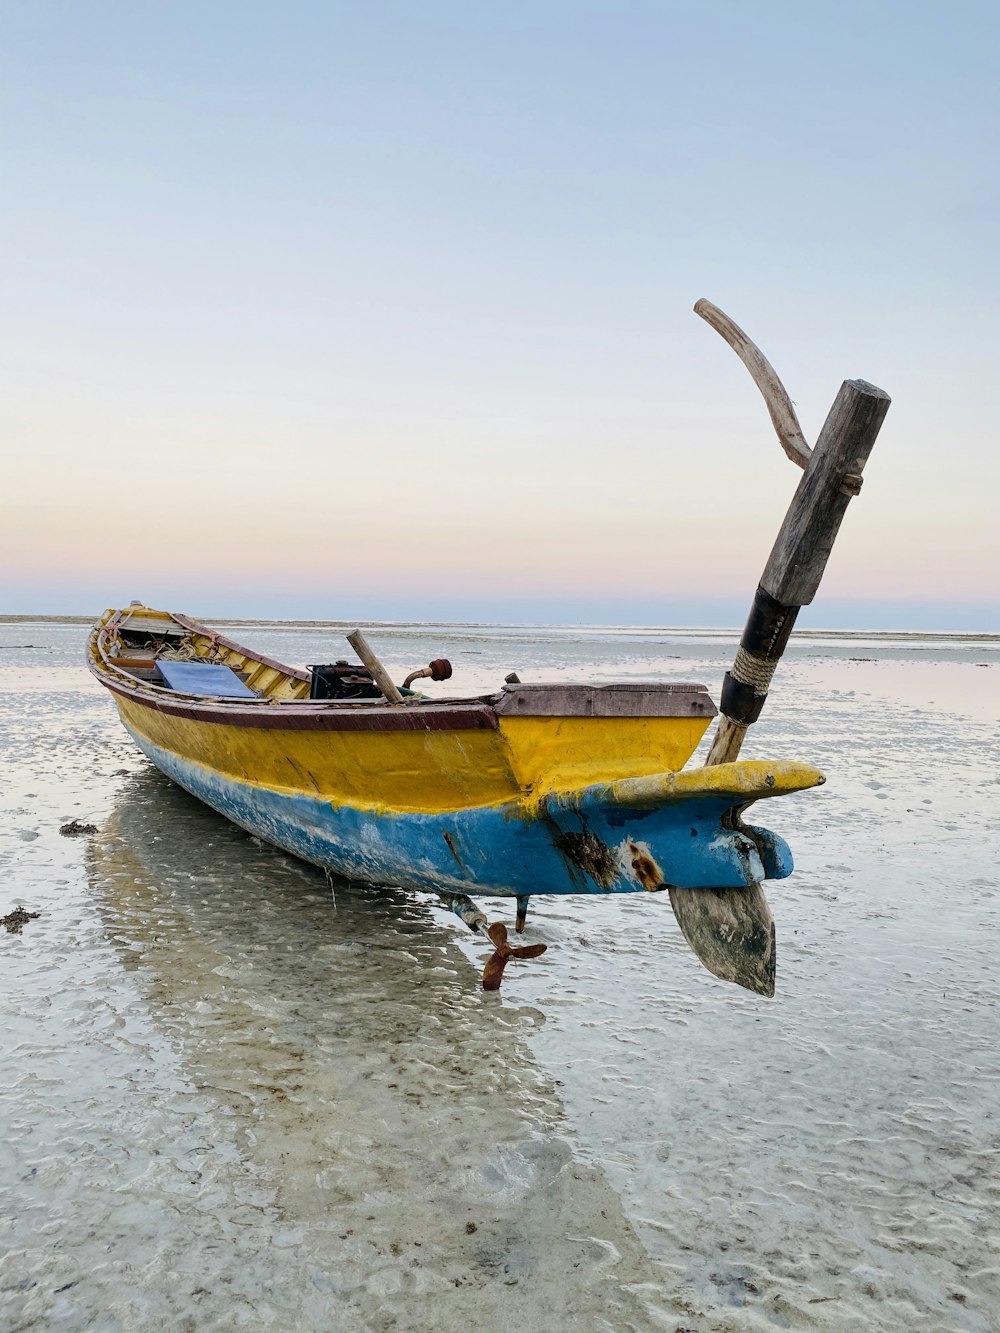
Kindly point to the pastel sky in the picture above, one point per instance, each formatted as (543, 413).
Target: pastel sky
(384, 309)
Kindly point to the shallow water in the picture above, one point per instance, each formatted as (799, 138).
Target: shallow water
(234, 1098)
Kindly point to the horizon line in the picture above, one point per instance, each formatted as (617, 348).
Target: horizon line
(716, 630)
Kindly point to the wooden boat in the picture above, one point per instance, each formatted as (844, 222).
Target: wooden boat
(535, 788)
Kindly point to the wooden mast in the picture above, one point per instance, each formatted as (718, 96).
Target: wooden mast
(732, 930)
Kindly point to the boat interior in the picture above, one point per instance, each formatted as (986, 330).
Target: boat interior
(168, 651)
(163, 651)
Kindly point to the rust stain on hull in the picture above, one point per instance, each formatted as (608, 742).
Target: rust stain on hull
(588, 853)
(645, 869)
(451, 847)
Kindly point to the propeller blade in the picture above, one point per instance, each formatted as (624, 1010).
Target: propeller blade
(528, 951)
(498, 934)
(493, 972)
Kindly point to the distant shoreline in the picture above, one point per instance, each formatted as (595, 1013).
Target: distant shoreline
(703, 631)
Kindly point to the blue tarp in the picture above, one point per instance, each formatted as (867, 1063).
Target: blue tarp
(204, 678)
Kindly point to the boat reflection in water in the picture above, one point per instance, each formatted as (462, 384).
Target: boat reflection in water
(350, 1084)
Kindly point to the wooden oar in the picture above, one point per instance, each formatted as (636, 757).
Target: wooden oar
(732, 930)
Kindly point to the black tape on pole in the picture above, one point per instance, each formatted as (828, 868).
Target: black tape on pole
(764, 638)
(769, 627)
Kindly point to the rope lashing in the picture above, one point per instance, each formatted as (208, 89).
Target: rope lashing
(753, 671)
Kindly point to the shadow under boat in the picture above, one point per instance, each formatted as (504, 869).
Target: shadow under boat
(173, 881)
(346, 1050)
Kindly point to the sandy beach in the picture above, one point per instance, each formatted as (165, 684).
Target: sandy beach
(237, 1099)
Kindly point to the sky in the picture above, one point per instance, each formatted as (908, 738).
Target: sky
(383, 310)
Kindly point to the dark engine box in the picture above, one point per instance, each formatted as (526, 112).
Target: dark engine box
(342, 680)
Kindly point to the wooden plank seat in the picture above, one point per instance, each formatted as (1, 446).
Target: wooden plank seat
(131, 664)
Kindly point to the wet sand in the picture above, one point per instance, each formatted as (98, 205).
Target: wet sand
(234, 1098)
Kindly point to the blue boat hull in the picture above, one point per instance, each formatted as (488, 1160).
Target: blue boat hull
(631, 836)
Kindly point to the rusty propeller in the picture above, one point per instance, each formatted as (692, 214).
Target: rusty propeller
(503, 953)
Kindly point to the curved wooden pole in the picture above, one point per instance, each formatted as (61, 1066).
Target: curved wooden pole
(763, 374)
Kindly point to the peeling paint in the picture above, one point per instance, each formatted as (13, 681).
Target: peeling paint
(644, 867)
(451, 847)
(588, 853)
(577, 847)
